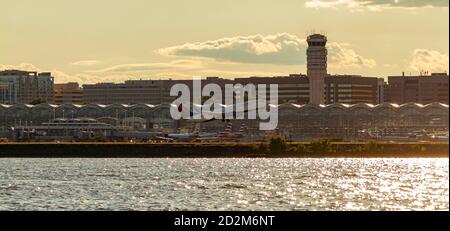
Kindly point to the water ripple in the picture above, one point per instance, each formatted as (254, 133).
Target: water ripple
(224, 184)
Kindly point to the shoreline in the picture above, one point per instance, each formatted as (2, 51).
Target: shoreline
(218, 150)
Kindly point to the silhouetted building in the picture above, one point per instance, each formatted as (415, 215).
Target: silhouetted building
(291, 89)
(348, 89)
(129, 92)
(351, 89)
(68, 93)
(316, 67)
(138, 91)
(418, 89)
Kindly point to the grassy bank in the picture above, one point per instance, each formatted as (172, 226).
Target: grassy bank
(277, 147)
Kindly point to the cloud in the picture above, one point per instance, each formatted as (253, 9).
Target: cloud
(21, 66)
(429, 60)
(376, 4)
(341, 56)
(139, 67)
(279, 49)
(275, 49)
(63, 77)
(85, 63)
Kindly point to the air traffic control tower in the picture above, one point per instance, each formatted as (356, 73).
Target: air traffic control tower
(316, 67)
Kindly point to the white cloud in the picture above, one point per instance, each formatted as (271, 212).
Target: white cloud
(376, 4)
(227, 57)
(234, 74)
(139, 67)
(342, 56)
(281, 49)
(429, 60)
(277, 49)
(119, 73)
(85, 63)
(21, 66)
(62, 77)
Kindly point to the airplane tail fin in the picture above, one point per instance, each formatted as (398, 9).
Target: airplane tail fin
(228, 129)
(242, 130)
(196, 131)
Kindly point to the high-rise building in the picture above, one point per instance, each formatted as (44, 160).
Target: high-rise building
(25, 87)
(129, 92)
(294, 88)
(68, 93)
(316, 67)
(138, 91)
(352, 89)
(291, 89)
(382, 88)
(418, 89)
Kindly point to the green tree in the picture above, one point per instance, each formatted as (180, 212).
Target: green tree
(260, 148)
(277, 145)
(302, 149)
(373, 146)
(320, 147)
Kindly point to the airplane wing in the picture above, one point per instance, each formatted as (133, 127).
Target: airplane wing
(223, 112)
(230, 111)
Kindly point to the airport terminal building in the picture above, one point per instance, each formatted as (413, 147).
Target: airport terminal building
(296, 122)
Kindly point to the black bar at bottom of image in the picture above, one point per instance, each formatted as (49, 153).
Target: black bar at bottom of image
(187, 220)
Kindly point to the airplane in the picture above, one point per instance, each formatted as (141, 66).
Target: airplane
(229, 134)
(226, 135)
(186, 137)
(217, 113)
(194, 136)
(440, 137)
(162, 139)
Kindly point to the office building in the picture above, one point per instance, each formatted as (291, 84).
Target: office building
(138, 91)
(291, 89)
(294, 88)
(423, 89)
(25, 87)
(68, 93)
(351, 89)
(129, 92)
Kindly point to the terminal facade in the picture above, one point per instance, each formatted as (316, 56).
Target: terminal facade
(297, 122)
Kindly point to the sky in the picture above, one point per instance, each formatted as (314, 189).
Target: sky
(90, 41)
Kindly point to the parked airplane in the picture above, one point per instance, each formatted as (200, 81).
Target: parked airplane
(162, 139)
(226, 135)
(440, 137)
(187, 137)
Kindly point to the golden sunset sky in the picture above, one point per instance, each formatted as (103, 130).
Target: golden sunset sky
(112, 40)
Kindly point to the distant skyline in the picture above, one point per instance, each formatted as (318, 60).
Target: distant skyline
(111, 41)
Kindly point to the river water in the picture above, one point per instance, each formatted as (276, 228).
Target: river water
(224, 184)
